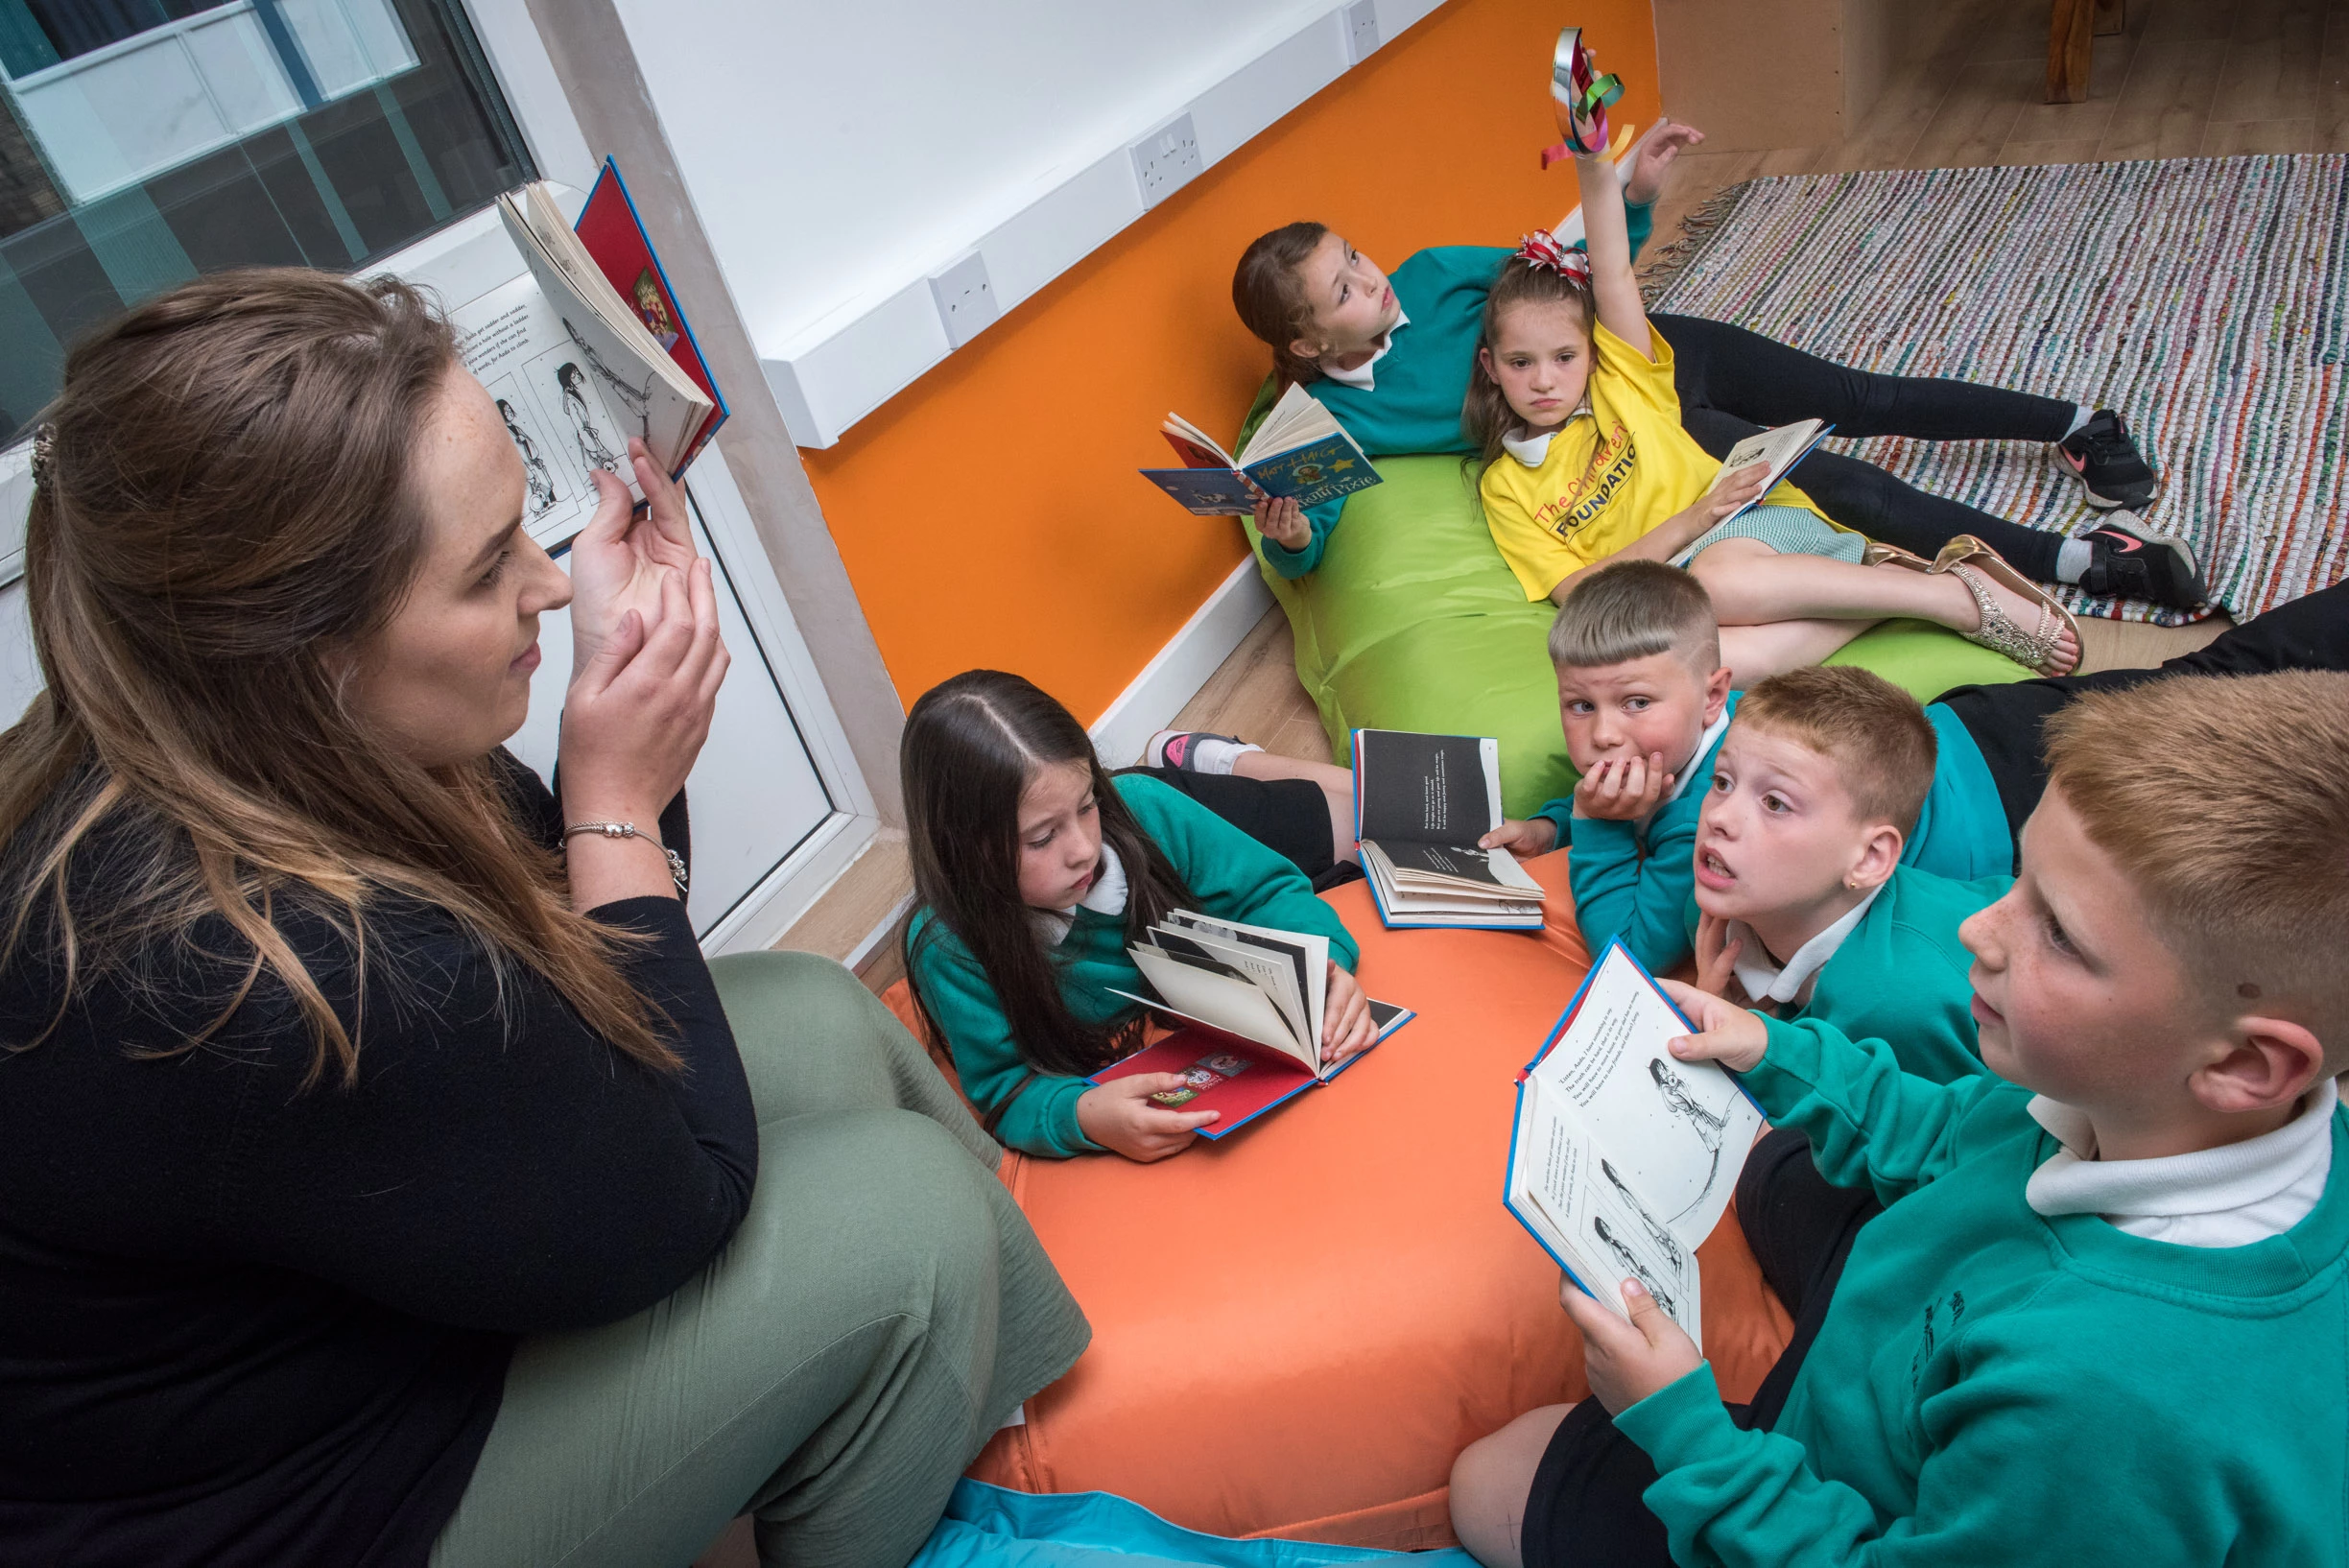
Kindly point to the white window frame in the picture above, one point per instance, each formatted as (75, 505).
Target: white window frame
(470, 256)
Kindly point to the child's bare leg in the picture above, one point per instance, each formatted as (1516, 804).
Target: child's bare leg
(1336, 785)
(1752, 584)
(1754, 653)
(1490, 1482)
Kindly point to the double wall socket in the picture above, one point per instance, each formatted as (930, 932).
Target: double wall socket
(1167, 160)
(965, 300)
(1361, 30)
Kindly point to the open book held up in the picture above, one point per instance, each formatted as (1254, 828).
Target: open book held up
(1420, 804)
(630, 346)
(1253, 997)
(1623, 1156)
(1780, 448)
(1299, 451)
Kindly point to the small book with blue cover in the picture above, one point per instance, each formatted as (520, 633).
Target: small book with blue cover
(1300, 452)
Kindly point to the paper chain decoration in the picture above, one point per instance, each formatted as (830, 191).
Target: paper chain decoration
(1582, 93)
(1541, 248)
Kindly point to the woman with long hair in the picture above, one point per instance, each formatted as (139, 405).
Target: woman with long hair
(387, 1177)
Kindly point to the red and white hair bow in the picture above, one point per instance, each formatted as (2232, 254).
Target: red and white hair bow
(1541, 248)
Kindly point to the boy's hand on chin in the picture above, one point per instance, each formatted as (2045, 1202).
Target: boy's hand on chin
(1725, 1033)
(1627, 1361)
(1534, 836)
(1623, 789)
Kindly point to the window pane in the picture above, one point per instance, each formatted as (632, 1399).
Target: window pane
(143, 142)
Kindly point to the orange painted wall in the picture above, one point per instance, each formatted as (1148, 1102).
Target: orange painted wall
(989, 514)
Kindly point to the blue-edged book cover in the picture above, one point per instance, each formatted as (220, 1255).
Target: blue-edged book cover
(1781, 448)
(1300, 452)
(1622, 1157)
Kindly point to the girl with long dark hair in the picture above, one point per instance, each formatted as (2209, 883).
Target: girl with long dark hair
(1033, 869)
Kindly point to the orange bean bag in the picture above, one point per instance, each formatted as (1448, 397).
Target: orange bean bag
(1296, 1330)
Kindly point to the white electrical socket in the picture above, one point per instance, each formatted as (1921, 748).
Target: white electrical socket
(1167, 160)
(965, 300)
(1361, 30)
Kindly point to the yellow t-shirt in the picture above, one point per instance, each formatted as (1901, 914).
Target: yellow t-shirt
(1609, 476)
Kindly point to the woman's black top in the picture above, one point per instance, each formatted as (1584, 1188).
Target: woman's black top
(242, 1324)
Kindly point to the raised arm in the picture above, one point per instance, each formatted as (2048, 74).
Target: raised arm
(1607, 235)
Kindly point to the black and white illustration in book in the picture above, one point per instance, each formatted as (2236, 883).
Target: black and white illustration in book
(565, 412)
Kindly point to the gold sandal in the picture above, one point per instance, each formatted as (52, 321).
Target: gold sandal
(1877, 554)
(1971, 562)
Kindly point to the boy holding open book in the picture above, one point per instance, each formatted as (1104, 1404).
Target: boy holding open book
(2099, 1320)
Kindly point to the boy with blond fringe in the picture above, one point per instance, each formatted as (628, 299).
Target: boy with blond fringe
(1644, 700)
(1802, 907)
(2101, 1319)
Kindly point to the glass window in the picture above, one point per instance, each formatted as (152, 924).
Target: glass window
(143, 142)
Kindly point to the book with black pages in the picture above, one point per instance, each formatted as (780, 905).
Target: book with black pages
(1780, 448)
(1420, 804)
(1622, 1157)
(1301, 451)
(1252, 999)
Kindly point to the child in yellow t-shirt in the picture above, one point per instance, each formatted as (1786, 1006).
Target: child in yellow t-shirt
(1584, 456)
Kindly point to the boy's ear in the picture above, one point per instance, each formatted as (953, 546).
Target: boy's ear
(2269, 1062)
(1717, 693)
(1879, 857)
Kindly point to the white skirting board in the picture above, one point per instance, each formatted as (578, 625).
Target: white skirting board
(1182, 666)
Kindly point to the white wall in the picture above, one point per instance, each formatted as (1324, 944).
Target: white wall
(839, 153)
(835, 149)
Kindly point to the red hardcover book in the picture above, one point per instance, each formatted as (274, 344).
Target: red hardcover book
(615, 238)
(1222, 1072)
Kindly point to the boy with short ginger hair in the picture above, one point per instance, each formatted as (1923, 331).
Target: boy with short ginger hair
(1802, 907)
(1644, 701)
(2120, 1275)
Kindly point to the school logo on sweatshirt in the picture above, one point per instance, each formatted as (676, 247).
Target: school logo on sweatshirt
(1926, 1340)
(1587, 495)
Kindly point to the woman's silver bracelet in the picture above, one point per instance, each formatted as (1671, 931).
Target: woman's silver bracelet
(629, 830)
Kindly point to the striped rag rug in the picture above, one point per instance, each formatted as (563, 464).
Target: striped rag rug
(2206, 299)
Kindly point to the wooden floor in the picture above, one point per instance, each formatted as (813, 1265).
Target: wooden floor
(2183, 79)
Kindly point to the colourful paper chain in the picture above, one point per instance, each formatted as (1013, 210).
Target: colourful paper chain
(1586, 94)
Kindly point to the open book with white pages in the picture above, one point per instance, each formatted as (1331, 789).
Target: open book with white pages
(1778, 450)
(1623, 1157)
(1420, 803)
(1253, 998)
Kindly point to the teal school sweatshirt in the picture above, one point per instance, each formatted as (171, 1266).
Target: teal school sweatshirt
(1230, 874)
(1993, 1386)
(1638, 885)
(1900, 976)
(1413, 402)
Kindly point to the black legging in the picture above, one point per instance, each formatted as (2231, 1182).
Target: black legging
(1733, 383)
(2308, 634)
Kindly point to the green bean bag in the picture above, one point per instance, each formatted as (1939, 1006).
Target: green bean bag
(1413, 622)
